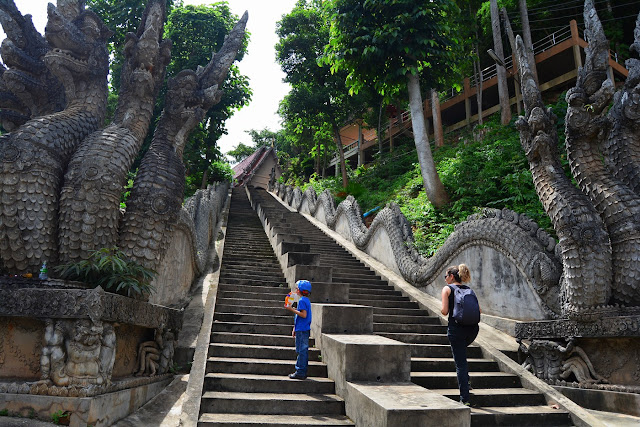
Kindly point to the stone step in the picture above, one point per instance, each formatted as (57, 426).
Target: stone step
(250, 309)
(254, 318)
(271, 403)
(519, 416)
(395, 318)
(255, 339)
(257, 383)
(238, 365)
(249, 297)
(382, 291)
(440, 380)
(446, 364)
(253, 276)
(441, 350)
(251, 328)
(417, 338)
(417, 329)
(382, 303)
(365, 287)
(232, 280)
(251, 269)
(406, 311)
(278, 420)
(254, 289)
(258, 351)
(376, 297)
(481, 397)
(364, 271)
(246, 263)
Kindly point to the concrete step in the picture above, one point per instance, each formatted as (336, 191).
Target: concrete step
(382, 303)
(249, 297)
(250, 269)
(250, 309)
(519, 416)
(446, 364)
(417, 329)
(440, 380)
(441, 350)
(255, 318)
(259, 383)
(254, 289)
(417, 338)
(253, 277)
(232, 280)
(279, 420)
(271, 403)
(406, 311)
(363, 293)
(258, 351)
(394, 318)
(481, 397)
(252, 328)
(358, 279)
(239, 365)
(377, 297)
(255, 339)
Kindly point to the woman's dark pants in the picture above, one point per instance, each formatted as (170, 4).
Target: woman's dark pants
(460, 337)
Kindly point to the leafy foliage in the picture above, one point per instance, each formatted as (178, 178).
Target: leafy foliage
(241, 152)
(110, 269)
(491, 171)
(220, 171)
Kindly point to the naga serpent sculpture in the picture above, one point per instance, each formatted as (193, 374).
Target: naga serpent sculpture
(61, 178)
(34, 157)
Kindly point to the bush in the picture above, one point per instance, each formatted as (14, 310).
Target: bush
(110, 269)
(220, 171)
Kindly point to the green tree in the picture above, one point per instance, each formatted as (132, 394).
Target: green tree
(395, 45)
(196, 32)
(241, 152)
(317, 93)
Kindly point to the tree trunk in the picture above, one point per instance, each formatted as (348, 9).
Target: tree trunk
(512, 43)
(380, 128)
(343, 166)
(317, 157)
(205, 177)
(503, 90)
(436, 193)
(526, 37)
(437, 119)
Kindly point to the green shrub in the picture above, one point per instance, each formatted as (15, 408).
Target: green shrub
(110, 269)
(220, 171)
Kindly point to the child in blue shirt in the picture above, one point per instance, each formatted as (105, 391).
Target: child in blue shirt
(302, 329)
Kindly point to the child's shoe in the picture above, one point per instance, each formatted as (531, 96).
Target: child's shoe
(296, 376)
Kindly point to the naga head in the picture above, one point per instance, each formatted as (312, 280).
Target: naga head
(630, 101)
(190, 94)
(27, 87)
(79, 54)
(147, 55)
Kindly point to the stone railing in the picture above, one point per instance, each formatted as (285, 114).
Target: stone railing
(187, 253)
(510, 257)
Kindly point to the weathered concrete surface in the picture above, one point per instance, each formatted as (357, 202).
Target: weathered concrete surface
(330, 292)
(603, 400)
(340, 319)
(173, 282)
(293, 247)
(99, 411)
(497, 282)
(313, 273)
(402, 404)
(163, 410)
(365, 358)
(294, 258)
(193, 393)
(195, 311)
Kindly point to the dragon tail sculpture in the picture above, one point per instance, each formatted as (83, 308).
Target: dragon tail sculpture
(156, 198)
(89, 213)
(34, 157)
(586, 127)
(622, 148)
(584, 244)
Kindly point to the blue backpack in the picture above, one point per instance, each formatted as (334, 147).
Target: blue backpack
(466, 309)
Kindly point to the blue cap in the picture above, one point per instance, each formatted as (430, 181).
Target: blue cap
(304, 285)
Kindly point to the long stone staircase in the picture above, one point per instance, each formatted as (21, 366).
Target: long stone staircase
(498, 397)
(252, 350)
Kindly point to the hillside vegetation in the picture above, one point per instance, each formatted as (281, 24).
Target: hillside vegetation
(488, 170)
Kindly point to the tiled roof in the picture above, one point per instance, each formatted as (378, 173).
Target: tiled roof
(246, 168)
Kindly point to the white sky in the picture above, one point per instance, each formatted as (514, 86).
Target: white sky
(259, 64)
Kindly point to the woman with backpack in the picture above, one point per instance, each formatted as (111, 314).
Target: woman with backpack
(461, 304)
